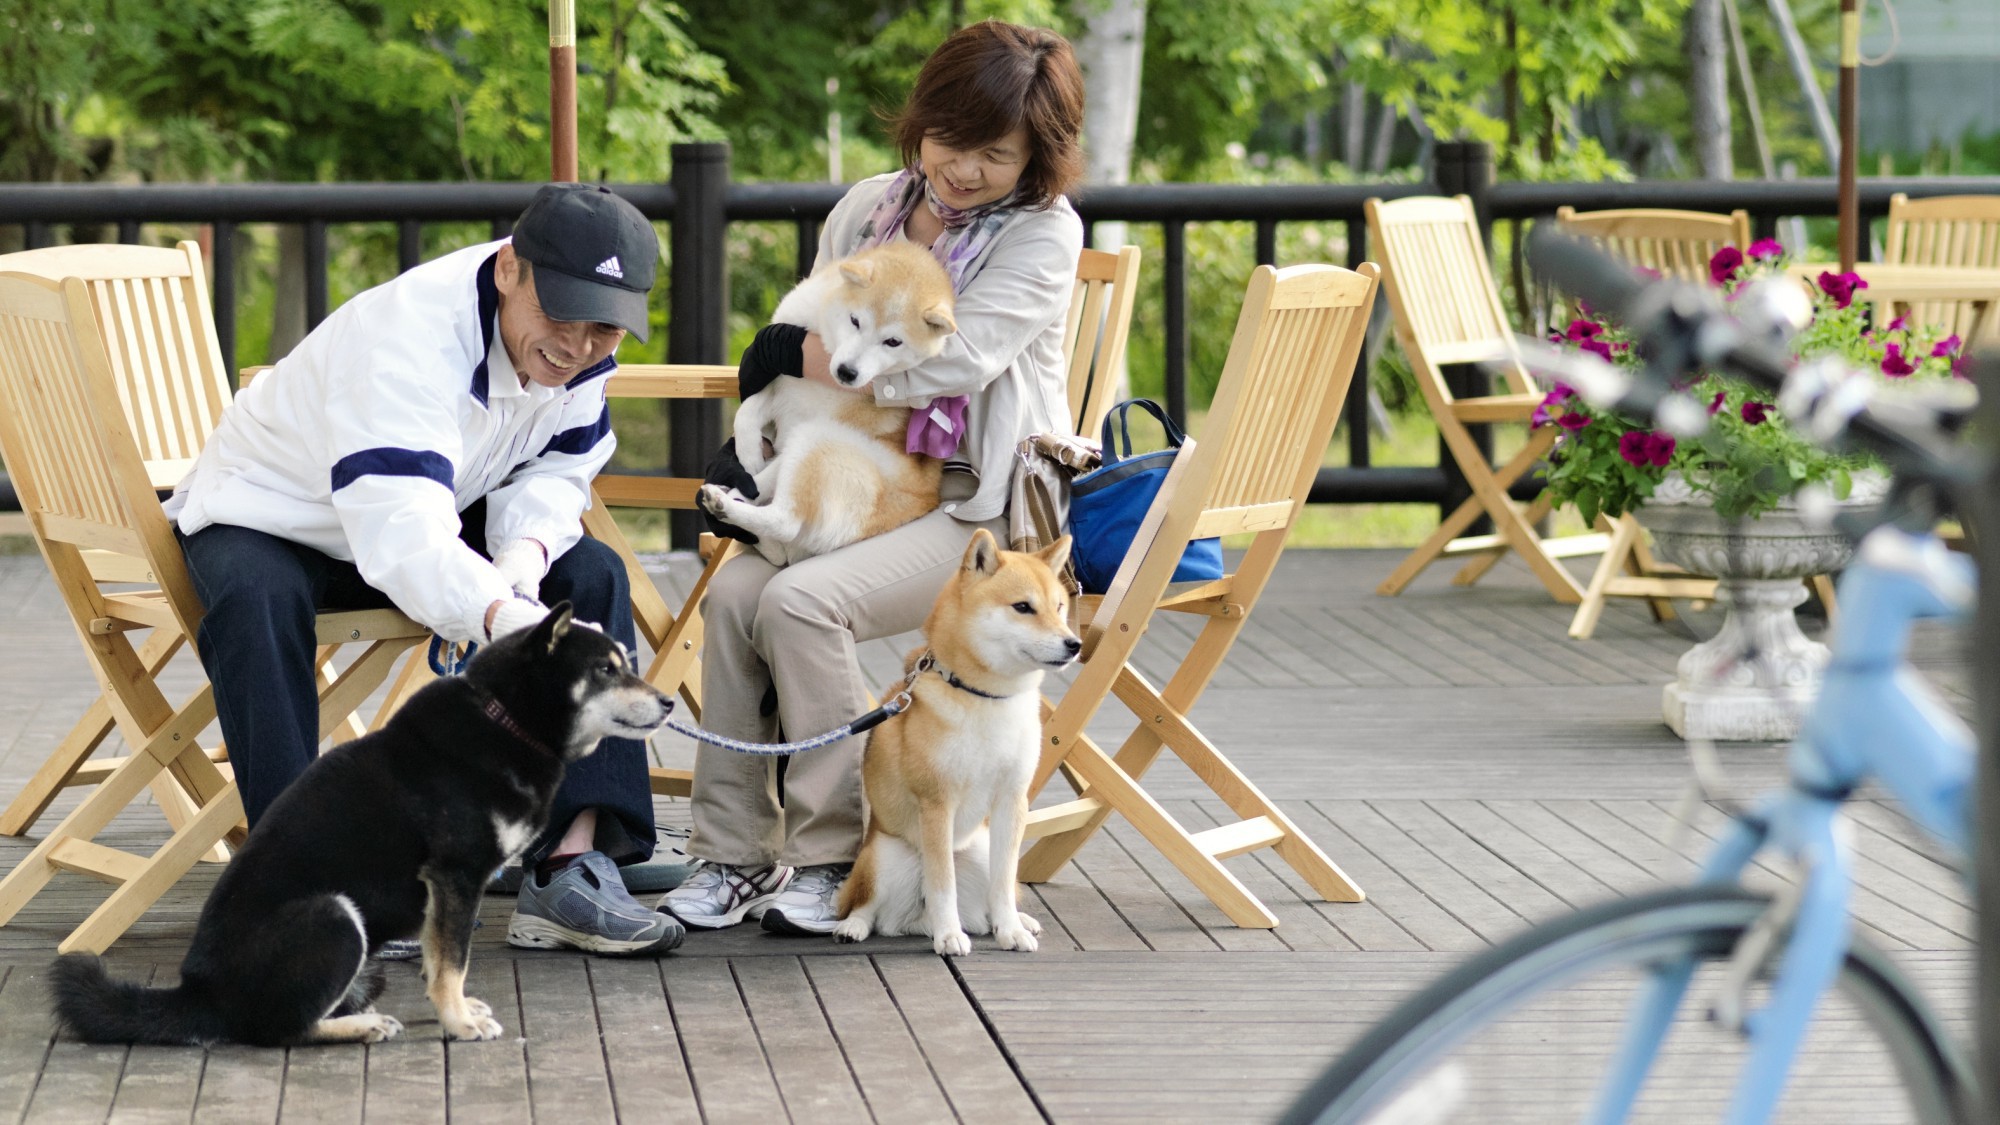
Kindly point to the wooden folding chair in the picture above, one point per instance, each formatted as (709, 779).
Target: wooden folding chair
(76, 464)
(151, 306)
(1447, 311)
(1957, 231)
(1274, 411)
(1677, 244)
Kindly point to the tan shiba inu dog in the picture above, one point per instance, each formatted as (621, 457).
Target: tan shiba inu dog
(840, 472)
(947, 780)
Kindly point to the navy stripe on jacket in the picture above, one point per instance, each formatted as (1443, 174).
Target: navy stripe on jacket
(390, 461)
(582, 439)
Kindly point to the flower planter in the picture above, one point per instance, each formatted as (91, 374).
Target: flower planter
(1759, 565)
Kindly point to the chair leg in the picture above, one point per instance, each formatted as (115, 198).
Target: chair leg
(1120, 793)
(83, 740)
(1616, 560)
(1432, 548)
(84, 822)
(163, 869)
(1822, 588)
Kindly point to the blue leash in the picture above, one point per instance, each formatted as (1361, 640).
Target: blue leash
(449, 659)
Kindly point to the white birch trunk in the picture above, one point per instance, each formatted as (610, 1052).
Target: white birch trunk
(1708, 90)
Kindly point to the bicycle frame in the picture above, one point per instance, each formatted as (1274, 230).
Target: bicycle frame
(1874, 718)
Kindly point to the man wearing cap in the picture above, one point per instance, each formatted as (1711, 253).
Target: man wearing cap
(430, 446)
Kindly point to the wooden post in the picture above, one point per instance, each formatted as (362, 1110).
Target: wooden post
(562, 91)
(1850, 81)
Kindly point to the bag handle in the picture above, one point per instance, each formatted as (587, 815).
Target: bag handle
(1111, 453)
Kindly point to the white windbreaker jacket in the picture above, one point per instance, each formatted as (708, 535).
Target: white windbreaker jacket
(394, 415)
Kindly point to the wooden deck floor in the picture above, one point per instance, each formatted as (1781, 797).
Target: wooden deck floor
(1474, 770)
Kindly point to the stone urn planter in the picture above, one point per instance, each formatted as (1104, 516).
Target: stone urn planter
(1760, 565)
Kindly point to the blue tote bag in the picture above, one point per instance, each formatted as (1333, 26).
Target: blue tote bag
(1107, 505)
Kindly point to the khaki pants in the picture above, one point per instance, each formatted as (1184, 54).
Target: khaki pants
(797, 627)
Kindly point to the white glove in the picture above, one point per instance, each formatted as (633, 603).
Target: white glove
(523, 563)
(514, 615)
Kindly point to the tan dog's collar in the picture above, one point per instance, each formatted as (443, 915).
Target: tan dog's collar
(928, 663)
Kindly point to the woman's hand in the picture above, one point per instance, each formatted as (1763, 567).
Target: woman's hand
(818, 366)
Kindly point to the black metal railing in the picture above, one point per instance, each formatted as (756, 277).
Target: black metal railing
(700, 202)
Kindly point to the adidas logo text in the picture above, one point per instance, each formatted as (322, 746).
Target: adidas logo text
(609, 267)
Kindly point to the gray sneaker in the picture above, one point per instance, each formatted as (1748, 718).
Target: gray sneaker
(722, 894)
(807, 906)
(585, 906)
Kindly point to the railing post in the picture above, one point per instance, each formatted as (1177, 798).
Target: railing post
(1174, 269)
(697, 310)
(1466, 168)
(222, 293)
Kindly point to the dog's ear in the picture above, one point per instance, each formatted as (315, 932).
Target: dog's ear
(938, 316)
(858, 272)
(1055, 554)
(983, 553)
(552, 629)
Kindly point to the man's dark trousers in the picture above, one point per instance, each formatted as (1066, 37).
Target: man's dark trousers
(256, 641)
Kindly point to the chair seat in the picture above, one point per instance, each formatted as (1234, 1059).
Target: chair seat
(1496, 408)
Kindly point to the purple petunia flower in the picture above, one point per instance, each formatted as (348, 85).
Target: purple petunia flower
(1841, 287)
(1722, 268)
(1581, 329)
(1573, 421)
(1898, 324)
(1754, 413)
(1715, 404)
(1654, 448)
(1947, 346)
(1556, 397)
(1598, 348)
(1894, 363)
(1961, 367)
(1766, 249)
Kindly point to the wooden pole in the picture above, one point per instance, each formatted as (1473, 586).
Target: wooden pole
(562, 90)
(1850, 81)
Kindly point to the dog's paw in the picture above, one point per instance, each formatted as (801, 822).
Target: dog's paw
(714, 500)
(952, 943)
(1016, 937)
(1028, 922)
(472, 1021)
(380, 1026)
(851, 930)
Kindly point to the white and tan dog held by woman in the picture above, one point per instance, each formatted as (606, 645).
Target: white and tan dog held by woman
(947, 779)
(839, 472)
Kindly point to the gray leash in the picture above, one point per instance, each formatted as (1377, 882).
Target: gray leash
(872, 719)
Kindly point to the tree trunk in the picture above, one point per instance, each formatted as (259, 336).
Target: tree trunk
(1354, 124)
(1708, 89)
(1110, 51)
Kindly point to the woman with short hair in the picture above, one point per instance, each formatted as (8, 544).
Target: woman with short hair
(990, 140)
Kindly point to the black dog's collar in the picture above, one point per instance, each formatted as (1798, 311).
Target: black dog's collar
(928, 663)
(493, 709)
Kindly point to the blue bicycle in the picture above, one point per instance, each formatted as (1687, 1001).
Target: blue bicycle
(1706, 1001)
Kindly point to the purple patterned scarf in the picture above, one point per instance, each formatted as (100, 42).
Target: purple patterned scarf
(938, 429)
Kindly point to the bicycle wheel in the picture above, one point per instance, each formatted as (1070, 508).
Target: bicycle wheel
(1526, 1030)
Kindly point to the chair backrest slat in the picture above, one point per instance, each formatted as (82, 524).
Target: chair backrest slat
(70, 446)
(1675, 243)
(1960, 231)
(1098, 323)
(151, 304)
(1441, 289)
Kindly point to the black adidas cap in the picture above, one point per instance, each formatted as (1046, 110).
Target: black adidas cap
(594, 255)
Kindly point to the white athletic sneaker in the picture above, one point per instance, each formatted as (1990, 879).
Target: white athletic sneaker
(721, 894)
(807, 906)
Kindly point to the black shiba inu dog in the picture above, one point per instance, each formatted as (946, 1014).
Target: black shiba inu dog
(392, 835)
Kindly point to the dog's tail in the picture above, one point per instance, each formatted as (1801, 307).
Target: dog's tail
(93, 1007)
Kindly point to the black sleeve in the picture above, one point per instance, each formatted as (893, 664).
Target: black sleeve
(725, 471)
(778, 349)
